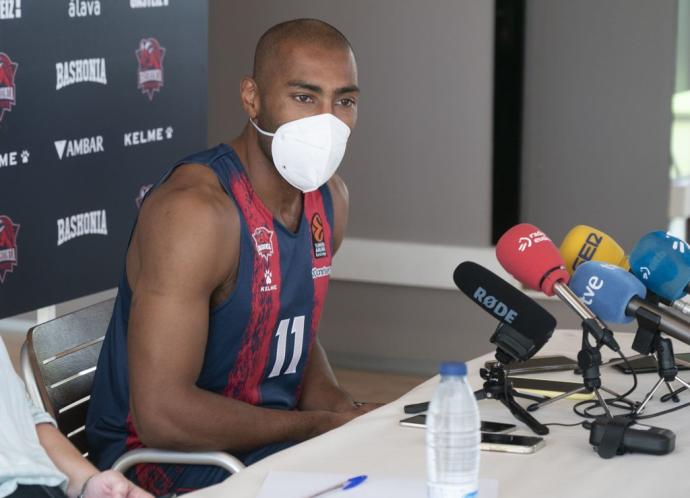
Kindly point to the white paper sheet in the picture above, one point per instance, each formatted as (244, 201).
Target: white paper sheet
(283, 484)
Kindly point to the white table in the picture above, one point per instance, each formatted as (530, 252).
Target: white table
(566, 467)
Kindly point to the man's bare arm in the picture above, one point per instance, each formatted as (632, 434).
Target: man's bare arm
(183, 237)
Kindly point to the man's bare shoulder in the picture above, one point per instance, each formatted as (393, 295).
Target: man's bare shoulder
(193, 194)
(339, 191)
(188, 222)
(341, 207)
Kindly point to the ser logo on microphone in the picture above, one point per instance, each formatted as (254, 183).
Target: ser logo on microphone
(496, 307)
(588, 249)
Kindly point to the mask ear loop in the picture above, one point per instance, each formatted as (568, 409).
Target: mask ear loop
(260, 130)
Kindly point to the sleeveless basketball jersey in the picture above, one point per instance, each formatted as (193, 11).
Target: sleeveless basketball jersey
(259, 338)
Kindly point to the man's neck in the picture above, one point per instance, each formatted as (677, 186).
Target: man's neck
(281, 198)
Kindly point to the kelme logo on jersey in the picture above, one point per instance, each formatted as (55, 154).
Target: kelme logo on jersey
(14, 158)
(8, 246)
(150, 75)
(317, 236)
(263, 240)
(78, 225)
(80, 71)
(268, 286)
(10, 9)
(8, 92)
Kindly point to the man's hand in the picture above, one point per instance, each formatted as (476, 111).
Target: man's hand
(112, 484)
(363, 408)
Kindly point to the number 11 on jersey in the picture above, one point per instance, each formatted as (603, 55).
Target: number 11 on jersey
(282, 335)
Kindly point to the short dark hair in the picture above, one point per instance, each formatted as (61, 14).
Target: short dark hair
(305, 30)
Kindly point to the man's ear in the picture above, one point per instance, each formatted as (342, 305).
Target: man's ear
(249, 94)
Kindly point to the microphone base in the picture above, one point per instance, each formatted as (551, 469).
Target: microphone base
(589, 361)
(497, 387)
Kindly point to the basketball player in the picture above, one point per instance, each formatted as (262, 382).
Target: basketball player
(212, 344)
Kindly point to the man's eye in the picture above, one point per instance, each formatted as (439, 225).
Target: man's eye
(304, 99)
(348, 102)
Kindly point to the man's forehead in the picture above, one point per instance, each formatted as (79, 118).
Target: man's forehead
(333, 66)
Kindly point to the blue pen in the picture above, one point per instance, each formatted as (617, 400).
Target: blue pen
(352, 482)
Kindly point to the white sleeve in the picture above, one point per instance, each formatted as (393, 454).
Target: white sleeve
(38, 415)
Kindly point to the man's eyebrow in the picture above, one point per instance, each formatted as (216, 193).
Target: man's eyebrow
(306, 86)
(347, 89)
(317, 89)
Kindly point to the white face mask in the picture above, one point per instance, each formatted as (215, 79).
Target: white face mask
(307, 151)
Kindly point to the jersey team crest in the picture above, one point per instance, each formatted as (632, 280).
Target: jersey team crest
(150, 76)
(8, 246)
(263, 239)
(8, 92)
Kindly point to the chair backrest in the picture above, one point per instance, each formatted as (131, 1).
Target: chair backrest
(62, 355)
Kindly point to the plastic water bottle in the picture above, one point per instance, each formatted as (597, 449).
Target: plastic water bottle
(452, 436)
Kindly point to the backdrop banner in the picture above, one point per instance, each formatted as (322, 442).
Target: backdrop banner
(97, 99)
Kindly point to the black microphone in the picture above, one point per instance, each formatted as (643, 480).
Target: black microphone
(525, 325)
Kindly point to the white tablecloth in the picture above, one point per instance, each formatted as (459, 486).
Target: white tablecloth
(566, 467)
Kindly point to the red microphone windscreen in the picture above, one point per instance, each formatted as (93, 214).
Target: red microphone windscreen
(532, 258)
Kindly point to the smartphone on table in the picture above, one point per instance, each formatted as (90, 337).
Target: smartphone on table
(486, 426)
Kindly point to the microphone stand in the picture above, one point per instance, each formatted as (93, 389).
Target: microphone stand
(648, 340)
(588, 360)
(497, 386)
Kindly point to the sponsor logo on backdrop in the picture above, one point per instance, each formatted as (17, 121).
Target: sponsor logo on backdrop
(263, 239)
(151, 135)
(84, 8)
(78, 225)
(8, 91)
(317, 236)
(80, 71)
(79, 146)
(14, 158)
(142, 193)
(10, 9)
(324, 271)
(150, 75)
(145, 4)
(8, 246)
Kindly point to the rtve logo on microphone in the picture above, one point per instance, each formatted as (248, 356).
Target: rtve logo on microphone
(525, 243)
(593, 285)
(495, 306)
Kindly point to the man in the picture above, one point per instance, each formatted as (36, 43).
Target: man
(36, 460)
(212, 342)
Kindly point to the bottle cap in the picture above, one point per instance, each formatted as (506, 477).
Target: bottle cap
(456, 368)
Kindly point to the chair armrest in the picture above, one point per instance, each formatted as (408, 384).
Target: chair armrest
(150, 455)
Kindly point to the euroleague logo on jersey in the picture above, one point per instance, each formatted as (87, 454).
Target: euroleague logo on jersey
(263, 240)
(317, 236)
(8, 246)
(150, 75)
(8, 92)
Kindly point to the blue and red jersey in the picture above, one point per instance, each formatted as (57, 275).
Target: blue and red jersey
(259, 338)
